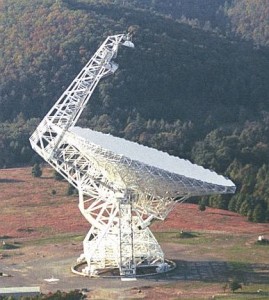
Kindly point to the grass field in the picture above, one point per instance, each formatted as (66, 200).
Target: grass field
(231, 247)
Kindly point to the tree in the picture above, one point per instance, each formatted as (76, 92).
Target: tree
(36, 170)
(244, 208)
(202, 206)
(239, 200)
(258, 214)
(70, 190)
(235, 285)
(249, 215)
(232, 204)
(57, 176)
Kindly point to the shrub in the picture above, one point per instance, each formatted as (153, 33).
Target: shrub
(185, 234)
(36, 170)
(202, 206)
(57, 176)
(235, 285)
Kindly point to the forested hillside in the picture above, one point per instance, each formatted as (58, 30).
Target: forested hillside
(249, 19)
(187, 88)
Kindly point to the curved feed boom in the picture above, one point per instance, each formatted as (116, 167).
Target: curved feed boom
(49, 134)
(119, 194)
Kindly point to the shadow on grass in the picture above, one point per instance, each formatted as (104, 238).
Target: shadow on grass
(218, 271)
(10, 180)
(261, 293)
(5, 237)
(8, 246)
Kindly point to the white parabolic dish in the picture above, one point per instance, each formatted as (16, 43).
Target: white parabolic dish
(151, 157)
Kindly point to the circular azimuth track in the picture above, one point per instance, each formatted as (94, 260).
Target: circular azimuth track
(141, 270)
(122, 185)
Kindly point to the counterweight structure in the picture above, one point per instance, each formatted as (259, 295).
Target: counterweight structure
(122, 186)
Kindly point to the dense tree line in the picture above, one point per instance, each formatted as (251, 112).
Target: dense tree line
(247, 19)
(14, 142)
(189, 91)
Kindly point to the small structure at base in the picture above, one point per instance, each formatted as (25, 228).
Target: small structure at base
(263, 240)
(18, 292)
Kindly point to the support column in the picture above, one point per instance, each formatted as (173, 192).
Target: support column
(127, 265)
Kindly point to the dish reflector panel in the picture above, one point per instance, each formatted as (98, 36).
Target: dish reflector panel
(151, 157)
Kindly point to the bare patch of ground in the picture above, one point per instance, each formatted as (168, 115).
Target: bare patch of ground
(188, 217)
(29, 209)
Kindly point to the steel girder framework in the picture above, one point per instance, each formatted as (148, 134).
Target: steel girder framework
(118, 196)
(66, 111)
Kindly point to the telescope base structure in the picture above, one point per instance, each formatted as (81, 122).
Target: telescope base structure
(142, 270)
(119, 237)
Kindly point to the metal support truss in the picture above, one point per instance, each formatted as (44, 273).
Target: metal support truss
(126, 237)
(118, 237)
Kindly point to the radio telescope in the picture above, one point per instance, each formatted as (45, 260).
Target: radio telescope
(122, 185)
